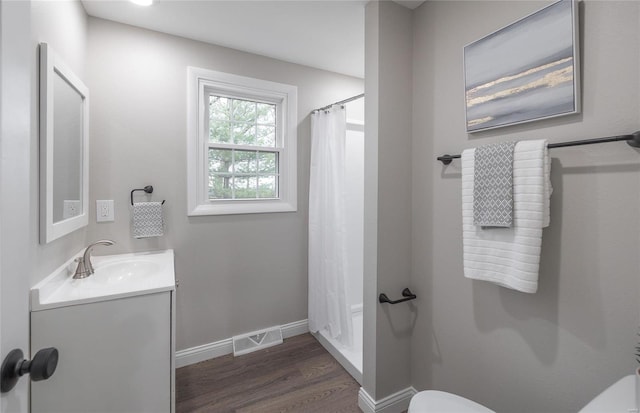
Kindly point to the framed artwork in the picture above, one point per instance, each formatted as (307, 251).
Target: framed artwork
(526, 71)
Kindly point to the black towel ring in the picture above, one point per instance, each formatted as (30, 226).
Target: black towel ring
(148, 189)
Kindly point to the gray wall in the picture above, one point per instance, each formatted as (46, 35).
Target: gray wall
(63, 25)
(237, 273)
(388, 77)
(370, 245)
(554, 350)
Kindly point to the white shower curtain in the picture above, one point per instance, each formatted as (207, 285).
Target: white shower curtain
(329, 307)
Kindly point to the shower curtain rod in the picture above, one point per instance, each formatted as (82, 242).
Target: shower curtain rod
(632, 140)
(347, 100)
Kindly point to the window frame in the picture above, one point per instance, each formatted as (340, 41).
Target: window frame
(201, 83)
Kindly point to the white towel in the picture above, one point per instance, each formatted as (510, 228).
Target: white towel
(510, 257)
(147, 220)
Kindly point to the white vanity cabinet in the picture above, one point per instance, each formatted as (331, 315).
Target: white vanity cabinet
(116, 353)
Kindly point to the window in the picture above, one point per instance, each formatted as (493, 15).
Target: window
(241, 144)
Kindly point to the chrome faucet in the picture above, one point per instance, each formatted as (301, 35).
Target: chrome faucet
(85, 268)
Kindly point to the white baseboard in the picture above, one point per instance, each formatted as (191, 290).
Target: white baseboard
(394, 403)
(223, 347)
(204, 352)
(295, 329)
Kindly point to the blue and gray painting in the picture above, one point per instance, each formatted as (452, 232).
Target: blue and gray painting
(522, 72)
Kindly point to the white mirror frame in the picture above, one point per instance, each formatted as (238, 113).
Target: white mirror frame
(50, 66)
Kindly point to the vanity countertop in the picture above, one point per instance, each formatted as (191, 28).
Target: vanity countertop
(116, 276)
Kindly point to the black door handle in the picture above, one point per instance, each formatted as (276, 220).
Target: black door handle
(14, 366)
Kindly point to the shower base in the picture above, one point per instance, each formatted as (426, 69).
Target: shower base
(349, 357)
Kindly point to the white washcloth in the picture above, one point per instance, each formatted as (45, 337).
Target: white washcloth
(147, 219)
(510, 257)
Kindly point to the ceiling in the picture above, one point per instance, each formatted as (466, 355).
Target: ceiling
(327, 34)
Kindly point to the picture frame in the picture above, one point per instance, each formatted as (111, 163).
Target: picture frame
(526, 71)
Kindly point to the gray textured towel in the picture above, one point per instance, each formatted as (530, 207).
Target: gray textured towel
(493, 185)
(147, 220)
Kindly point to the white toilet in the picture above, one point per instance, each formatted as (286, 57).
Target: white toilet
(433, 401)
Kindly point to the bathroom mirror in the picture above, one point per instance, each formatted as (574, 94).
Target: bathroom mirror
(64, 148)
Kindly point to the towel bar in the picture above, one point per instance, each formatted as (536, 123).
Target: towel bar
(632, 140)
(406, 293)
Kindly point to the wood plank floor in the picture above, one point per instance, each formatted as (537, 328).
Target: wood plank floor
(296, 376)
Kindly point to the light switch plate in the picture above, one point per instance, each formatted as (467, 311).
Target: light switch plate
(104, 210)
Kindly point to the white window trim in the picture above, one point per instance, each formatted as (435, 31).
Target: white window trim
(198, 82)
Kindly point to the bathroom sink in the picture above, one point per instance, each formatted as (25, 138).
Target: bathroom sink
(116, 276)
(124, 271)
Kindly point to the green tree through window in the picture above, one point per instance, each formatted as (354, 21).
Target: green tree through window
(242, 161)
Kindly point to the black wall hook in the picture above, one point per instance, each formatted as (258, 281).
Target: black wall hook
(406, 293)
(148, 189)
